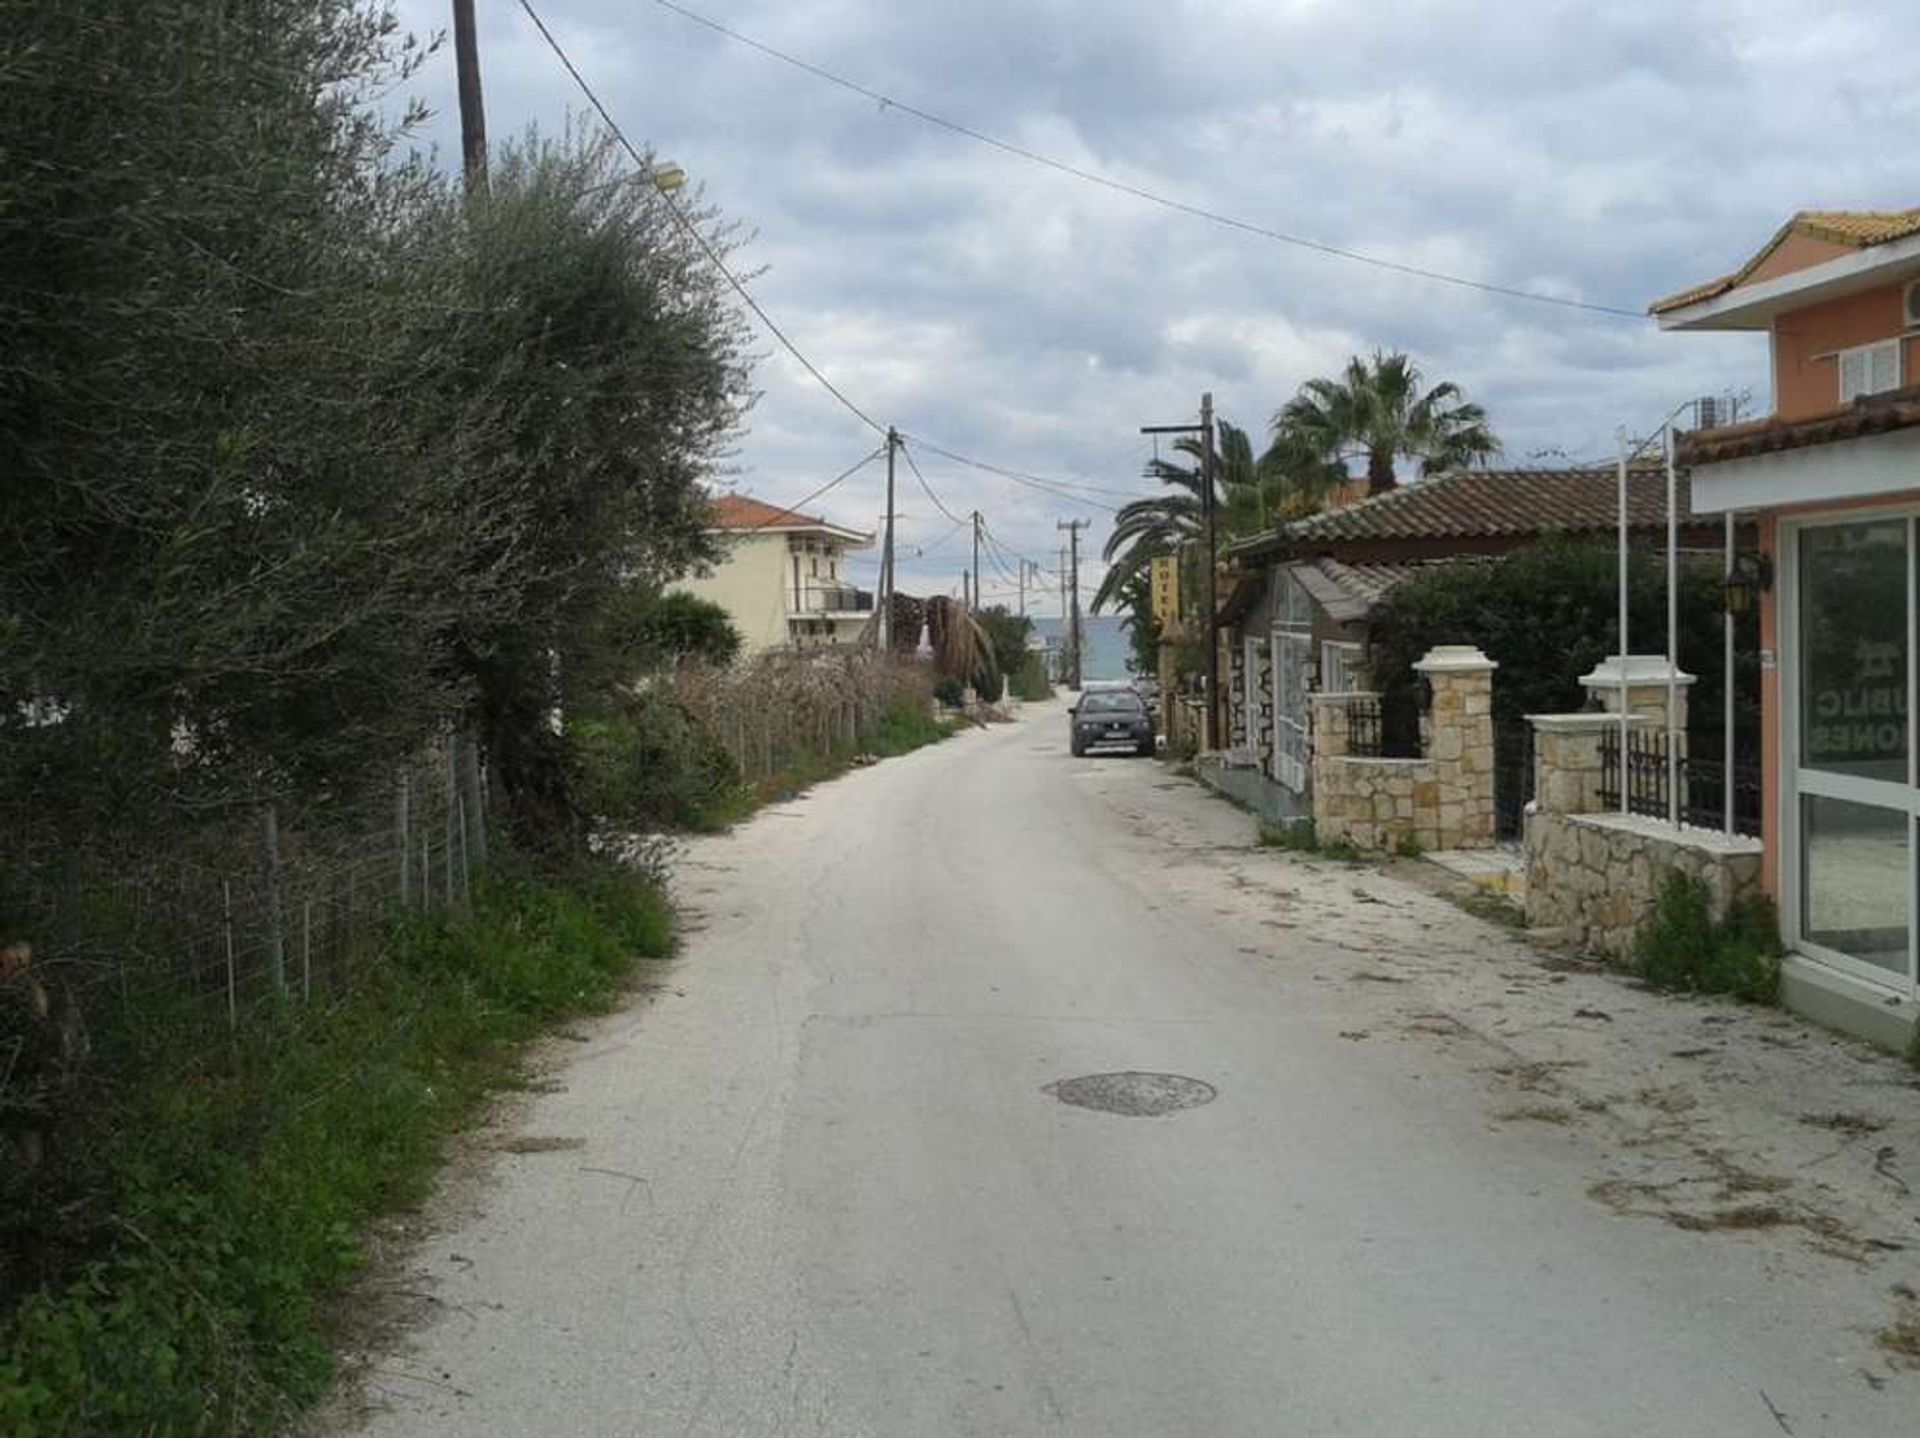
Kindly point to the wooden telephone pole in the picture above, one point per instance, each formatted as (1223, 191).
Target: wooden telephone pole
(1073, 528)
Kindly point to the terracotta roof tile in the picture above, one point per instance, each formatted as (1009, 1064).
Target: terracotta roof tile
(1873, 414)
(1482, 503)
(737, 511)
(1861, 229)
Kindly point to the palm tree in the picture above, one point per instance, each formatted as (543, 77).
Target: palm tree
(1376, 412)
(1249, 494)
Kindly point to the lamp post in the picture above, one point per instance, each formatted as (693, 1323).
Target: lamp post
(665, 177)
(1212, 629)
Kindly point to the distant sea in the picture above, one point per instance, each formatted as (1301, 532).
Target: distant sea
(1105, 641)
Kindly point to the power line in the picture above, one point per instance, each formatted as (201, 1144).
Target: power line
(938, 503)
(1059, 489)
(693, 230)
(1092, 177)
(793, 510)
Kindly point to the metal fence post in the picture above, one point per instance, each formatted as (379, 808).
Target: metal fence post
(276, 947)
(226, 912)
(400, 829)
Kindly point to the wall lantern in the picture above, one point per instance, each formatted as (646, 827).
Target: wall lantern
(1749, 578)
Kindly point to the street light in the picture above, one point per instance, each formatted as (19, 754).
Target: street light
(666, 177)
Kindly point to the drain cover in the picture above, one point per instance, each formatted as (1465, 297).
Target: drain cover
(1135, 1095)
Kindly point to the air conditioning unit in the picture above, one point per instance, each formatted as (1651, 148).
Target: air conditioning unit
(1910, 306)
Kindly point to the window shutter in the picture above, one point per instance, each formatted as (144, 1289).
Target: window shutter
(1883, 368)
(1853, 374)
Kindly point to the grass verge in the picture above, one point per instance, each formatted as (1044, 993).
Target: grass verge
(1300, 838)
(196, 1221)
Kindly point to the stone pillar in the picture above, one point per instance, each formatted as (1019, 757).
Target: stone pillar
(1646, 689)
(1566, 760)
(1330, 728)
(1461, 745)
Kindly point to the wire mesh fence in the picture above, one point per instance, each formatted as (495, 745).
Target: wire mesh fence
(252, 903)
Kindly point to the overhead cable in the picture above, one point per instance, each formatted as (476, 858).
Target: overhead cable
(793, 510)
(1092, 177)
(693, 230)
(1059, 489)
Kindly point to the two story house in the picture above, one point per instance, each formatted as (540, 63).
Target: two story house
(1832, 477)
(783, 580)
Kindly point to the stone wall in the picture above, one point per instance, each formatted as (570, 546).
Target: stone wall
(1442, 800)
(1594, 877)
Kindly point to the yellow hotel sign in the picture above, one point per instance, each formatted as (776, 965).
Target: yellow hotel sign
(1166, 589)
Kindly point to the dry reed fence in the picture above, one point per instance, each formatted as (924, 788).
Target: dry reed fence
(779, 709)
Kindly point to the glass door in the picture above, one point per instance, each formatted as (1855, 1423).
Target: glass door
(1292, 655)
(1848, 761)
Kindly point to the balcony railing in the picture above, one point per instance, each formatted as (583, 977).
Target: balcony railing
(834, 599)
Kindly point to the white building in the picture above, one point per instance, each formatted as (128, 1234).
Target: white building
(783, 578)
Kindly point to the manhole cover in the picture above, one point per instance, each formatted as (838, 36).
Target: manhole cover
(1136, 1095)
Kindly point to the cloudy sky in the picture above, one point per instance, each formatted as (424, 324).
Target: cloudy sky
(1608, 153)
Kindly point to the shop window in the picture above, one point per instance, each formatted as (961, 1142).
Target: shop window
(1854, 649)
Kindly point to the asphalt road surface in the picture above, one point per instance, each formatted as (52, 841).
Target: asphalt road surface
(824, 1180)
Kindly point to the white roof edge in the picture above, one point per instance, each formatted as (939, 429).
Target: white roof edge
(855, 537)
(1840, 274)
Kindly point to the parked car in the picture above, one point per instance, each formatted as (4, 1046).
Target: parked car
(1110, 718)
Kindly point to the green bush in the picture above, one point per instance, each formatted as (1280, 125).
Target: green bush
(652, 766)
(988, 685)
(218, 1198)
(1030, 679)
(905, 726)
(1682, 946)
(950, 691)
(1548, 614)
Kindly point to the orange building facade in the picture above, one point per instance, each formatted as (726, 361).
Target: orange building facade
(1832, 480)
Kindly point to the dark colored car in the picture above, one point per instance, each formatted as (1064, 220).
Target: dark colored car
(1111, 718)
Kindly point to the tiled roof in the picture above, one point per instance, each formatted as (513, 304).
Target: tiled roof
(1861, 229)
(1349, 592)
(1874, 414)
(740, 514)
(1480, 503)
(737, 511)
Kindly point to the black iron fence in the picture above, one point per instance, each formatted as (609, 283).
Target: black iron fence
(1363, 728)
(1702, 783)
(1512, 776)
(1372, 733)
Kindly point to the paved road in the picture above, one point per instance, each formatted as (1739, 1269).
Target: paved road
(819, 1186)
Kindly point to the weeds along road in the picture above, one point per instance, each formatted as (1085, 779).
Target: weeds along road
(816, 1181)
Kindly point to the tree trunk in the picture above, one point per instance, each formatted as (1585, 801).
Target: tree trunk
(1380, 475)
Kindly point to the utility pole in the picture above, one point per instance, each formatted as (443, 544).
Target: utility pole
(473, 115)
(472, 801)
(1213, 571)
(1023, 587)
(1212, 629)
(976, 559)
(1073, 528)
(1066, 616)
(886, 553)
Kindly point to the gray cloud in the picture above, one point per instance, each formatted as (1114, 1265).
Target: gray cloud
(1609, 153)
